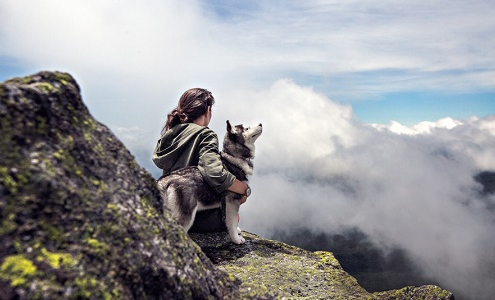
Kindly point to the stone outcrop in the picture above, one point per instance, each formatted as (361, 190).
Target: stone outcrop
(277, 270)
(79, 218)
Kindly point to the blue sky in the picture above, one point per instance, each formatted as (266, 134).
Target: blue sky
(409, 108)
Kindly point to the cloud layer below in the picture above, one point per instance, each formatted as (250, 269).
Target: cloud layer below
(412, 188)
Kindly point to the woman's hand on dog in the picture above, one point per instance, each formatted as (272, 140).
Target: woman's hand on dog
(239, 187)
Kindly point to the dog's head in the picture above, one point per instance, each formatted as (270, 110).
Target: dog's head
(239, 139)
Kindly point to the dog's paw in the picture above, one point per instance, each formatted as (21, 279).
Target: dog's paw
(239, 231)
(238, 240)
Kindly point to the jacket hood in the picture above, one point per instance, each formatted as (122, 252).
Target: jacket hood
(173, 143)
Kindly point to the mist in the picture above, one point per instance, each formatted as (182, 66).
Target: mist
(412, 188)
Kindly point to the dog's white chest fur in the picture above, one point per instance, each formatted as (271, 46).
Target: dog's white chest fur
(241, 163)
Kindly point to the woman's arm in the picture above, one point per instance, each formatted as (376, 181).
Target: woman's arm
(239, 187)
(211, 167)
(210, 163)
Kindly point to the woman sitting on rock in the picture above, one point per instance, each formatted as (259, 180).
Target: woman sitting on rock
(187, 141)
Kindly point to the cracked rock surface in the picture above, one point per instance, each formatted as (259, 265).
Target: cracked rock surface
(272, 269)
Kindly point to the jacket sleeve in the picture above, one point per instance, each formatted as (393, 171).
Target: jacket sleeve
(210, 164)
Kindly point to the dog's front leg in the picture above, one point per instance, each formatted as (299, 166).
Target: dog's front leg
(231, 218)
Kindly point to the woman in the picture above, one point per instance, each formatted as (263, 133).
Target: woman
(187, 141)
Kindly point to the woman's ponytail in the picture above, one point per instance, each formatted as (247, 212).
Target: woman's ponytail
(192, 104)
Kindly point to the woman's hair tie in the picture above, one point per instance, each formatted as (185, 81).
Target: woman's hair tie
(183, 118)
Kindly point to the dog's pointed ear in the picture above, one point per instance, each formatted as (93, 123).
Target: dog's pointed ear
(231, 133)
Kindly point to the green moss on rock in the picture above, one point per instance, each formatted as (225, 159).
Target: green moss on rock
(273, 270)
(45, 87)
(56, 260)
(17, 269)
(7, 225)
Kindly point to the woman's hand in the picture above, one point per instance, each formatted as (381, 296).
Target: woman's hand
(239, 187)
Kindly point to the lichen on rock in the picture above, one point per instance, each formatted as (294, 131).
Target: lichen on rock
(272, 269)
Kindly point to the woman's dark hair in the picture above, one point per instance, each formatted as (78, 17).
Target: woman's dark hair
(192, 105)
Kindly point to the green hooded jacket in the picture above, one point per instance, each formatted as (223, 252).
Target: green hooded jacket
(193, 145)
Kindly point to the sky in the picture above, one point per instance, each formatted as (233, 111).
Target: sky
(376, 115)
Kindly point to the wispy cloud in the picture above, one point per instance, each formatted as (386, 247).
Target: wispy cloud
(428, 45)
(332, 37)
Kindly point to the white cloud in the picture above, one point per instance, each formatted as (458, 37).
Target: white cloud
(420, 128)
(174, 43)
(316, 167)
(131, 135)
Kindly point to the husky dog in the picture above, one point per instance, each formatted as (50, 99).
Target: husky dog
(185, 192)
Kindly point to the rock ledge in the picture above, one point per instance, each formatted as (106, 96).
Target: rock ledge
(270, 269)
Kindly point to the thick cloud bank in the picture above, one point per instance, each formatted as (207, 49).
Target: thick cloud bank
(412, 188)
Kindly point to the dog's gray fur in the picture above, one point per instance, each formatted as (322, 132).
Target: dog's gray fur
(185, 192)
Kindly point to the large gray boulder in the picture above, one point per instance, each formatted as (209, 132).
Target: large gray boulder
(79, 217)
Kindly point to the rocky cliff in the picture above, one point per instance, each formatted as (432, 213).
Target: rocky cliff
(282, 271)
(80, 219)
